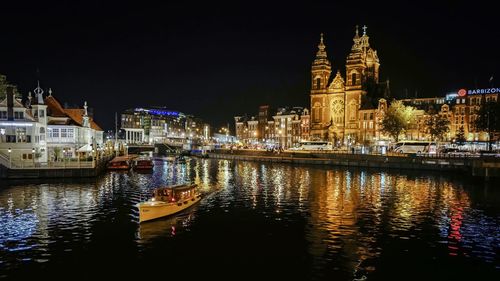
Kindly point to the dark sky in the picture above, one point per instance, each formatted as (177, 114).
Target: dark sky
(218, 60)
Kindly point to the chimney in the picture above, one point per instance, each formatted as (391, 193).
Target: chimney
(10, 103)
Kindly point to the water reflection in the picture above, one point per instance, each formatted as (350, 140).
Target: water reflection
(317, 222)
(166, 227)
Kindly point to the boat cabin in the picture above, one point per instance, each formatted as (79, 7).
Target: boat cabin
(143, 163)
(119, 163)
(175, 193)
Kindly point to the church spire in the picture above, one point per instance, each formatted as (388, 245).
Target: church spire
(364, 39)
(321, 54)
(356, 46)
(321, 68)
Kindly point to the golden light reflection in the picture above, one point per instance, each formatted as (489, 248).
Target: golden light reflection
(349, 208)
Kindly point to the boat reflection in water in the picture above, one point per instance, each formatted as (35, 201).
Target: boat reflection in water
(166, 227)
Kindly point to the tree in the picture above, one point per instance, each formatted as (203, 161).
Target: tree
(397, 119)
(488, 119)
(460, 136)
(437, 125)
(4, 85)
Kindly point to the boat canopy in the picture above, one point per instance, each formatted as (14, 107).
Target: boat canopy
(173, 191)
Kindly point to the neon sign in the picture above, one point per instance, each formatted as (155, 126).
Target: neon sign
(159, 112)
(464, 92)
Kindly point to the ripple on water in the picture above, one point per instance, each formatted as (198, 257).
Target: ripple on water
(340, 224)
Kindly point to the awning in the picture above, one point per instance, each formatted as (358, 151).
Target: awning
(85, 148)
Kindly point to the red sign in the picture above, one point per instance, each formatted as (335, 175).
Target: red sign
(462, 92)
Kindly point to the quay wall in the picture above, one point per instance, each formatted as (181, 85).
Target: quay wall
(481, 166)
(41, 173)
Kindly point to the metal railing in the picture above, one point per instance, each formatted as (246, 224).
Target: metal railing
(62, 164)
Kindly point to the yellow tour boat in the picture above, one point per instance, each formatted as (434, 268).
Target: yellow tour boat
(168, 201)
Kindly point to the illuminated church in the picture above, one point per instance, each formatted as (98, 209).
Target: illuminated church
(347, 108)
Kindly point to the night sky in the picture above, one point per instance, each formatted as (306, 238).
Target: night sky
(216, 61)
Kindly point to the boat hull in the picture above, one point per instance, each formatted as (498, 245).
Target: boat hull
(151, 210)
(143, 167)
(118, 167)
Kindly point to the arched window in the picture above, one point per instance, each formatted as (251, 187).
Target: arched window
(353, 78)
(352, 111)
(318, 83)
(316, 112)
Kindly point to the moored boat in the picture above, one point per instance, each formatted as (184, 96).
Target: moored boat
(143, 163)
(119, 163)
(168, 200)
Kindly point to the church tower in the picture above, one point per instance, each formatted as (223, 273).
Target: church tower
(362, 74)
(335, 108)
(321, 68)
(320, 75)
(362, 65)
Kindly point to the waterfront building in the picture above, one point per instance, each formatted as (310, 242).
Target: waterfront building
(71, 132)
(41, 130)
(349, 109)
(160, 125)
(241, 128)
(459, 107)
(283, 128)
(339, 105)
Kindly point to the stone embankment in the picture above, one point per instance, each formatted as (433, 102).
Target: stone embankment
(481, 166)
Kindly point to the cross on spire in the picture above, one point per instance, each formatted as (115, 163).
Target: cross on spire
(364, 29)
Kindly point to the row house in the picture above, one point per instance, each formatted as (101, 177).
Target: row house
(285, 128)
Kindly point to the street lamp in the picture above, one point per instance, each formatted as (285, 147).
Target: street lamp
(10, 161)
(33, 155)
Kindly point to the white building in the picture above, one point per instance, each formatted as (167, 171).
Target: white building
(71, 133)
(42, 130)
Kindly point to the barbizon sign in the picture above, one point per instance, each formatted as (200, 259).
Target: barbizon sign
(463, 92)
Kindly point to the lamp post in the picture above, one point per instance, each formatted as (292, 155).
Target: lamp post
(33, 155)
(10, 158)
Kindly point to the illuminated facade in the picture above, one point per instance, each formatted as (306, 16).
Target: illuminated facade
(42, 131)
(285, 128)
(349, 109)
(460, 108)
(336, 105)
(159, 125)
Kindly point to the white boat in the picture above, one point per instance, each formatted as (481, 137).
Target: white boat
(168, 200)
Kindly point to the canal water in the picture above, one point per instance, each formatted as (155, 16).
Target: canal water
(256, 221)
